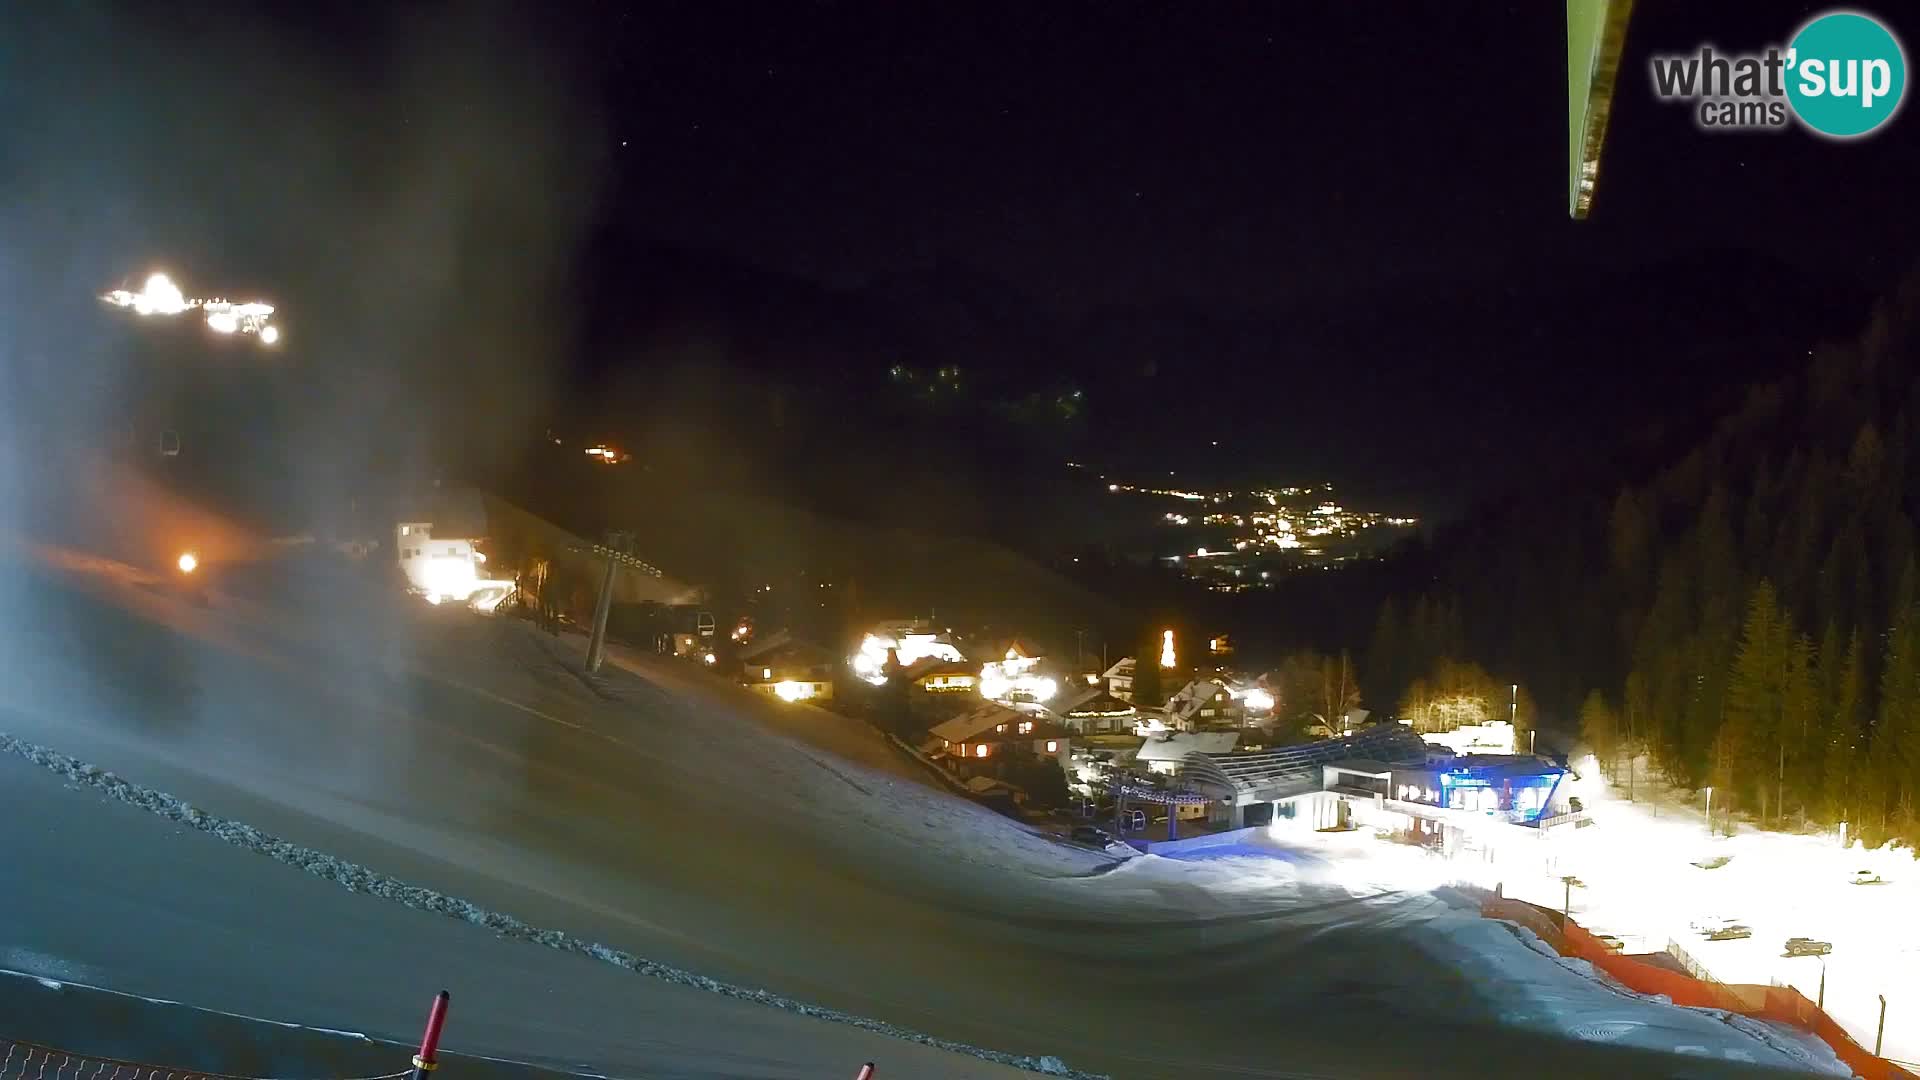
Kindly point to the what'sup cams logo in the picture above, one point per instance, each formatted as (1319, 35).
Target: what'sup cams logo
(1842, 76)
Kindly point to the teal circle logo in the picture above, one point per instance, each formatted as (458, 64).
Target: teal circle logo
(1846, 74)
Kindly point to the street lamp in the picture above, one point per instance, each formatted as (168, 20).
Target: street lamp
(1566, 904)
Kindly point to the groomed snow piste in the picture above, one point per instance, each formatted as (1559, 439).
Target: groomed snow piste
(693, 855)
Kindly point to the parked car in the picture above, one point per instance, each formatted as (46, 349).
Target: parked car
(1800, 946)
(1717, 928)
(1867, 877)
(1091, 837)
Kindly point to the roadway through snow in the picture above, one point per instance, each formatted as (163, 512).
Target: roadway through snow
(660, 811)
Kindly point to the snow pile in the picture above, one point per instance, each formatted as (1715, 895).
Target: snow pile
(361, 879)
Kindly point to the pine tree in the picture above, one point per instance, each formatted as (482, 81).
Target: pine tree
(1636, 703)
(1838, 796)
(1663, 666)
(1831, 667)
(1899, 719)
(1599, 728)
(1420, 644)
(1629, 533)
(1798, 775)
(1149, 690)
(1900, 734)
(1755, 692)
(1386, 655)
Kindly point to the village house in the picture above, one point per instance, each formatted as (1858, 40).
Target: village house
(993, 733)
(1095, 711)
(789, 668)
(1201, 704)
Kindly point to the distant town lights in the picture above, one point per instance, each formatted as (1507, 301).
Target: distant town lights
(160, 296)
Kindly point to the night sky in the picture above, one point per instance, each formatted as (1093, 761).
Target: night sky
(1235, 155)
(1381, 196)
(1333, 237)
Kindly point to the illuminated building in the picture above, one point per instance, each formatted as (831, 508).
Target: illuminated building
(909, 643)
(787, 668)
(1015, 677)
(987, 737)
(936, 676)
(1203, 703)
(1096, 710)
(441, 568)
(1119, 678)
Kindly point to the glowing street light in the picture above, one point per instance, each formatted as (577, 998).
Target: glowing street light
(187, 562)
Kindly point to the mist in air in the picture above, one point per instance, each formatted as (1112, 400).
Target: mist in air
(411, 204)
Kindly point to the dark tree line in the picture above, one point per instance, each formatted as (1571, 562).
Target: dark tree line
(1745, 614)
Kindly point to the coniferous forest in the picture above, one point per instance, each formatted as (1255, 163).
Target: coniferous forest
(1744, 614)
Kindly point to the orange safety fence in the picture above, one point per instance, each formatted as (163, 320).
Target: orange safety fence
(1782, 1004)
(1544, 924)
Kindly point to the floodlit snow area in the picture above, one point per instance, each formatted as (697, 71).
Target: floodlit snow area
(1642, 885)
(650, 872)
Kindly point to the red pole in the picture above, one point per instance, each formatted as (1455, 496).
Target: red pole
(423, 1062)
(866, 1072)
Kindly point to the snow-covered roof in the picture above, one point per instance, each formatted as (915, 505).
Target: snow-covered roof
(1121, 669)
(1094, 701)
(1176, 746)
(981, 720)
(1298, 768)
(784, 643)
(933, 665)
(996, 649)
(765, 645)
(1191, 697)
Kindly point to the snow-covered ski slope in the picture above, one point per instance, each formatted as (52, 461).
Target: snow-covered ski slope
(669, 817)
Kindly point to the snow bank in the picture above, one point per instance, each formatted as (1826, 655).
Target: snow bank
(1803, 1048)
(361, 879)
